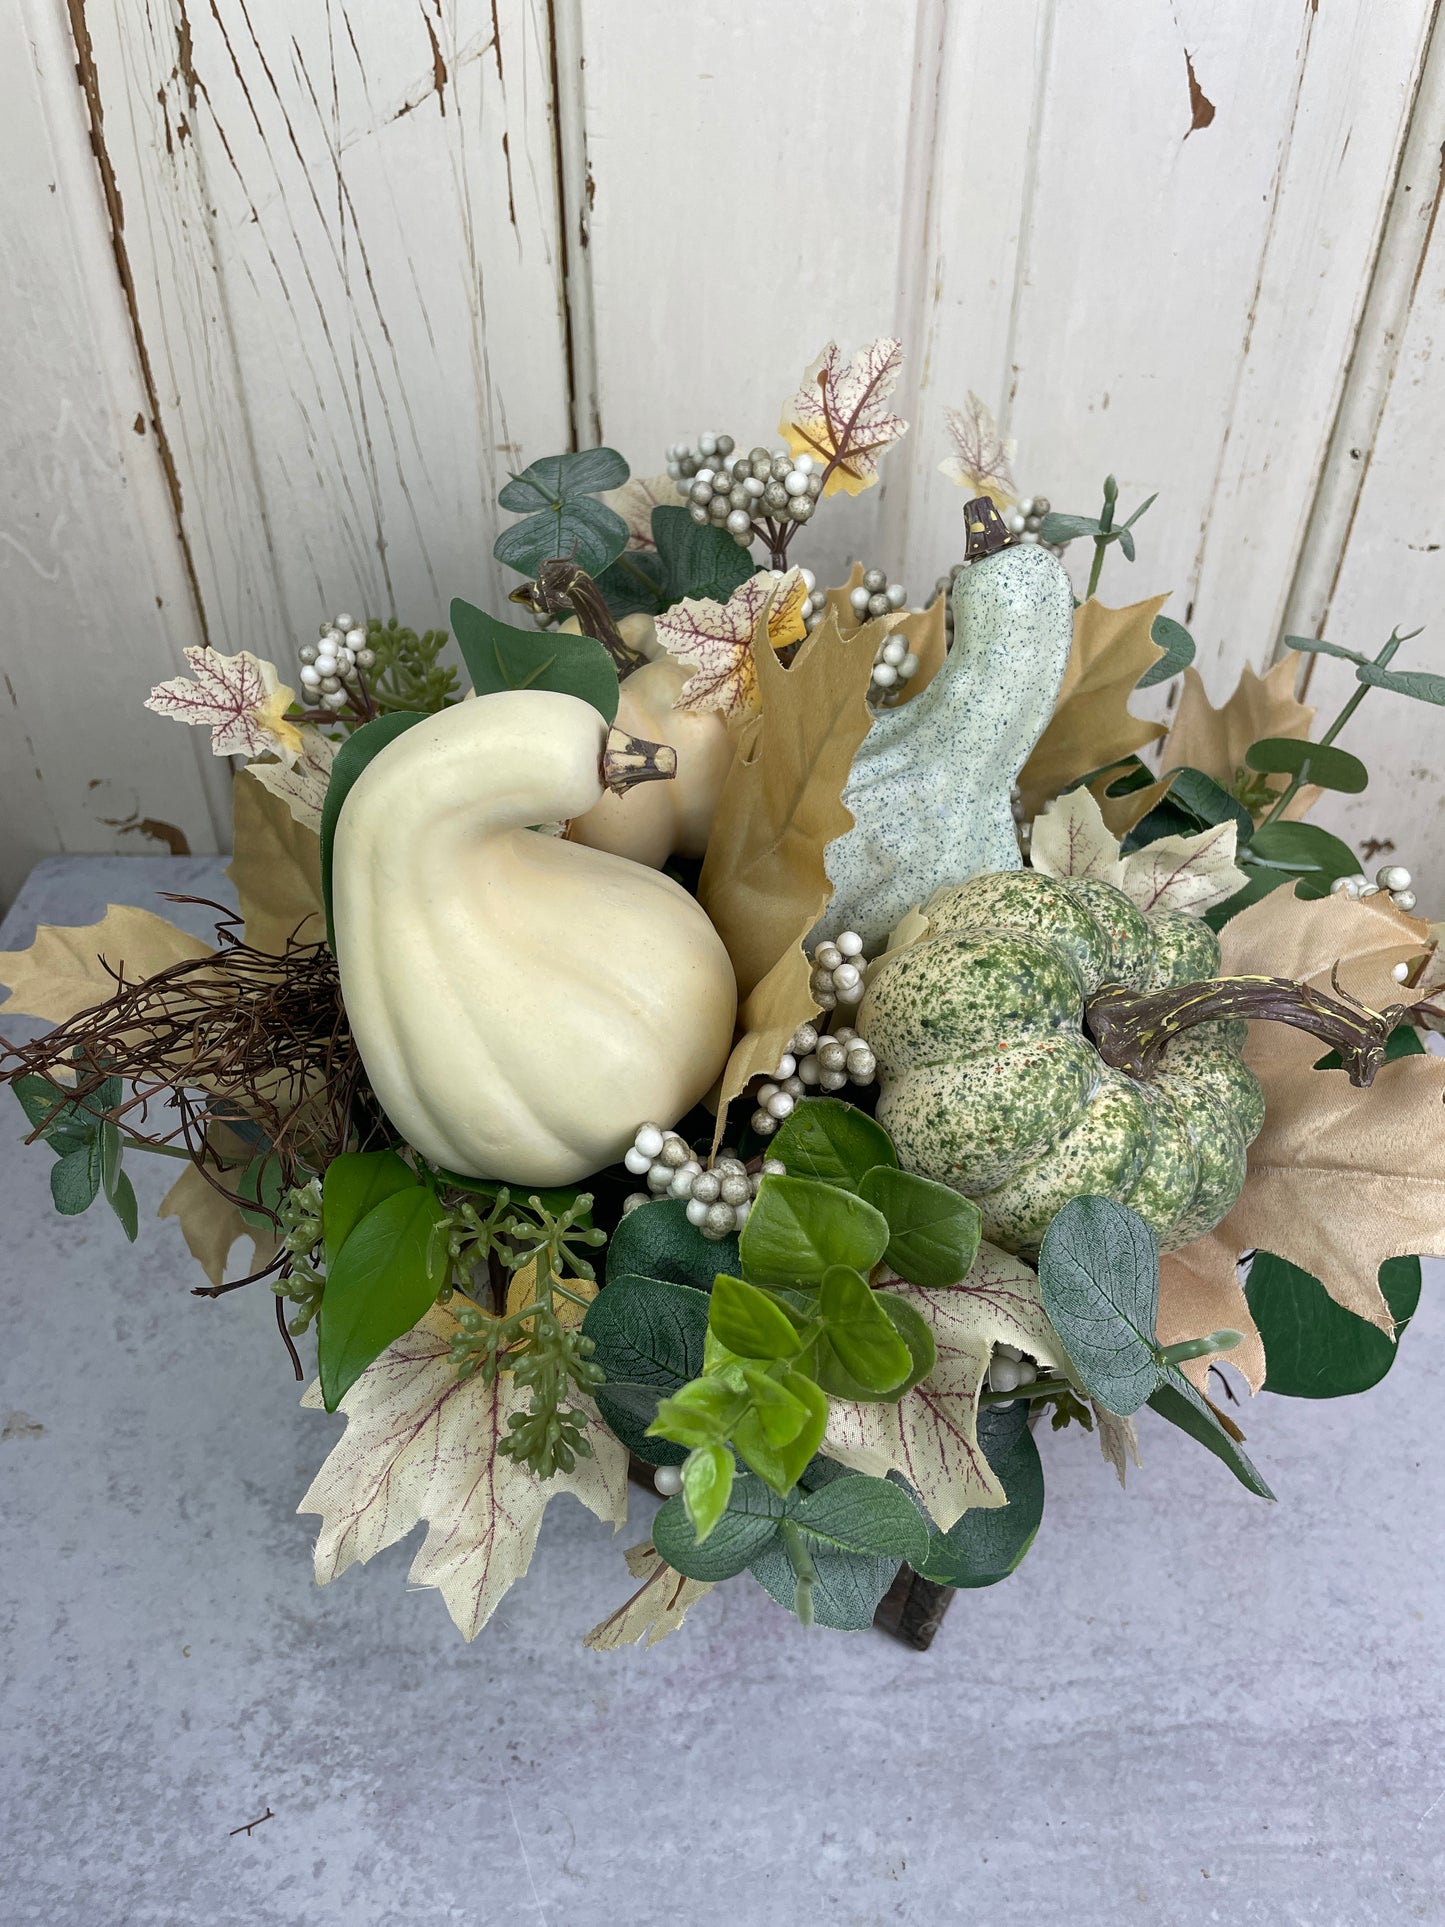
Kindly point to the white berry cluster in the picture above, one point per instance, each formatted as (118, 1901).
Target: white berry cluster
(1009, 1368)
(328, 667)
(718, 1200)
(814, 1061)
(837, 972)
(1391, 879)
(730, 490)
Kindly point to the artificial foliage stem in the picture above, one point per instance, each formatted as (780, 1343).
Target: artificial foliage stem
(1288, 794)
(1101, 540)
(804, 1571)
(1131, 1029)
(561, 585)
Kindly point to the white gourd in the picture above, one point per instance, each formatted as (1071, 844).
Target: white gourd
(929, 786)
(520, 1002)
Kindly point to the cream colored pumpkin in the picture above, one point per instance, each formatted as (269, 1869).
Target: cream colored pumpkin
(656, 820)
(521, 1003)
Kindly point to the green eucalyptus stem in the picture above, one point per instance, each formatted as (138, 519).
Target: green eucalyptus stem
(1132, 1029)
(1224, 1340)
(804, 1571)
(1101, 540)
(1297, 782)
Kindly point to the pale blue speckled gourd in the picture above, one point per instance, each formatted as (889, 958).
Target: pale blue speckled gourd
(929, 787)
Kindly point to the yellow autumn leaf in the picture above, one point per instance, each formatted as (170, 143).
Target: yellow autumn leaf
(1215, 740)
(276, 869)
(1092, 723)
(65, 970)
(840, 417)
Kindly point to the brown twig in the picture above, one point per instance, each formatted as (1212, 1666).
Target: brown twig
(267, 1815)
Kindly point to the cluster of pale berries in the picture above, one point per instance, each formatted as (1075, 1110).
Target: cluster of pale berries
(329, 667)
(1392, 880)
(729, 490)
(718, 1200)
(1008, 1369)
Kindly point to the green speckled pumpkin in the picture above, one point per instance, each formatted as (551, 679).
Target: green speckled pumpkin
(991, 1082)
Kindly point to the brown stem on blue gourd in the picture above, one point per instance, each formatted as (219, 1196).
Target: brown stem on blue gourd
(629, 760)
(1132, 1029)
(561, 586)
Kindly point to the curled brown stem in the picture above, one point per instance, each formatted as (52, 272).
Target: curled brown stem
(561, 586)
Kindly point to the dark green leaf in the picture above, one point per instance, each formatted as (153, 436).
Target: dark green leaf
(860, 1514)
(1281, 853)
(1064, 528)
(798, 1228)
(748, 1322)
(359, 749)
(1178, 1401)
(41, 1100)
(656, 1241)
(1311, 646)
(260, 1187)
(1405, 682)
(697, 560)
(581, 530)
(647, 1331)
(388, 1272)
(501, 657)
(863, 1337)
(1313, 1347)
(831, 1141)
(555, 1198)
(1193, 802)
(633, 584)
(1319, 763)
(933, 1233)
(75, 1179)
(1125, 539)
(355, 1183)
(1099, 1282)
(122, 1202)
(628, 1411)
(1178, 646)
(988, 1542)
(747, 1525)
(553, 479)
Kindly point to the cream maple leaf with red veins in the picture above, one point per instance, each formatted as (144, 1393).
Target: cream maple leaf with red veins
(982, 459)
(240, 699)
(930, 1435)
(420, 1443)
(1193, 873)
(715, 639)
(839, 416)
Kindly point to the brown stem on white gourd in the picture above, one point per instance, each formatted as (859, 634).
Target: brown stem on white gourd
(985, 531)
(1131, 1029)
(561, 586)
(629, 760)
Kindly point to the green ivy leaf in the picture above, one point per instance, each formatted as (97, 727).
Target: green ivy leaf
(386, 1274)
(1313, 1347)
(832, 1142)
(500, 657)
(1099, 1282)
(748, 1322)
(1319, 763)
(563, 518)
(1405, 682)
(863, 1337)
(656, 1241)
(707, 1483)
(933, 1233)
(1178, 646)
(1176, 1400)
(798, 1228)
(988, 1543)
(361, 747)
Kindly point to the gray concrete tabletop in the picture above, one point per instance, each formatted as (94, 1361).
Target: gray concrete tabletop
(1188, 1705)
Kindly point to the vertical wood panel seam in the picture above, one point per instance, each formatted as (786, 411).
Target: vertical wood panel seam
(1374, 358)
(1027, 202)
(572, 178)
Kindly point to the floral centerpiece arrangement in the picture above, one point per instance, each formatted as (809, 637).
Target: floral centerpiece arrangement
(770, 1037)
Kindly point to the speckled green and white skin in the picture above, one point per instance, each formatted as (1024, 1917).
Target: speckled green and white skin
(929, 786)
(991, 1084)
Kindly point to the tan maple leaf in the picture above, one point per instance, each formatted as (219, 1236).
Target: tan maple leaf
(68, 969)
(1215, 740)
(240, 699)
(658, 1608)
(301, 785)
(839, 415)
(422, 1444)
(930, 1435)
(716, 639)
(1339, 1179)
(276, 868)
(1200, 1291)
(1092, 723)
(1192, 873)
(210, 1223)
(982, 460)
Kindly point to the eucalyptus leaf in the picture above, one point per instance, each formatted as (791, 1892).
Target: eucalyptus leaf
(1423, 687)
(1319, 763)
(1099, 1282)
(990, 1542)
(1124, 536)
(798, 1228)
(861, 1333)
(857, 1532)
(75, 1180)
(747, 1525)
(123, 1203)
(555, 478)
(386, 1274)
(1178, 646)
(656, 1241)
(1066, 528)
(933, 1233)
(833, 1142)
(557, 496)
(1313, 1347)
(1311, 645)
(647, 1331)
(500, 657)
(1285, 853)
(634, 584)
(1176, 1399)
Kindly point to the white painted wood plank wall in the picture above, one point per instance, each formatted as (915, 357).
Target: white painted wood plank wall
(372, 257)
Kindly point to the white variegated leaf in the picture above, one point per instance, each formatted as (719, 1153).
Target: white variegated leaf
(658, 1608)
(840, 416)
(1070, 839)
(982, 459)
(1192, 873)
(301, 785)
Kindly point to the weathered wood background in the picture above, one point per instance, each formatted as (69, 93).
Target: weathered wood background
(287, 288)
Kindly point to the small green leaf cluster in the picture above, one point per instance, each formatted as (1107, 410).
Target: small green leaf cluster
(300, 1282)
(408, 672)
(1101, 529)
(87, 1144)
